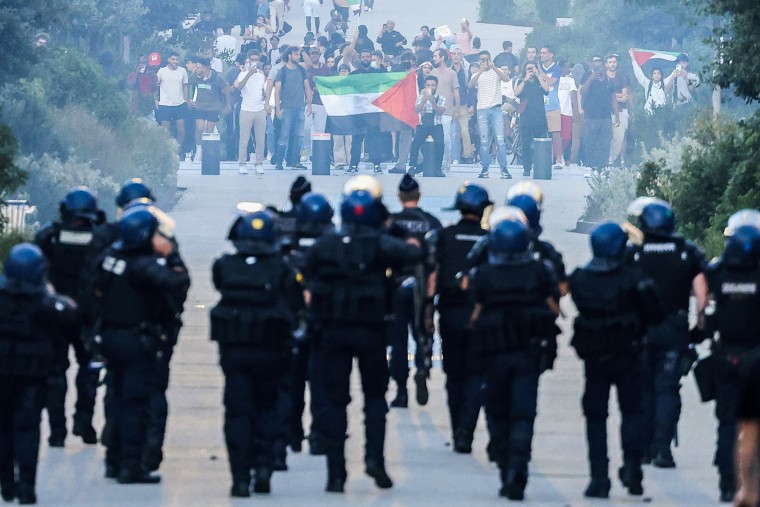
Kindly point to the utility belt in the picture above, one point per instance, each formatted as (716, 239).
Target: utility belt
(26, 358)
(247, 325)
(506, 331)
(723, 360)
(356, 304)
(606, 336)
(672, 333)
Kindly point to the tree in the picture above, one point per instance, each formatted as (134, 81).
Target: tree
(11, 176)
(736, 45)
(496, 11)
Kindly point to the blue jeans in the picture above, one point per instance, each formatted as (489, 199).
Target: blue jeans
(491, 126)
(291, 137)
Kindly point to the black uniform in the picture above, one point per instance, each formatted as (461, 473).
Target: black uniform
(615, 306)
(132, 288)
(345, 273)
(306, 354)
(516, 338)
(252, 324)
(671, 263)
(463, 378)
(408, 301)
(32, 325)
(734, 313)
(542, 250)
(65, 245)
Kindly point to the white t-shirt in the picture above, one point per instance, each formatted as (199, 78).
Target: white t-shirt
(171, 86)
(217, 65)
(253, 92)
(508, 90)
(226, 43)
(566, 87)
(489, 90)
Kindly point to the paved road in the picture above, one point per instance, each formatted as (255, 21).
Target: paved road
(425, 470)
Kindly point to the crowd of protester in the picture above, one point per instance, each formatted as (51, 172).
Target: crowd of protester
(263, 91)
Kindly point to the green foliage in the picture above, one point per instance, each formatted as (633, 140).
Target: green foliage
(11, 176)
(736, 43)
(8, 241)
(610, 196)
(496, 11)
(549, 10)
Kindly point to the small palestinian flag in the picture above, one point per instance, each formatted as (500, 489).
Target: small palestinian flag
(366, 103)
(356, 5)
(649, 60)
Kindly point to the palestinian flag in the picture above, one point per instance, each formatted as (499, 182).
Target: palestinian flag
(370, 102)
(649, 60)
(355, 5)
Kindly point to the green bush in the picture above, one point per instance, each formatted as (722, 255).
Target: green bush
(609, 196)
(8, 241)
(549, 10)
(496, 11)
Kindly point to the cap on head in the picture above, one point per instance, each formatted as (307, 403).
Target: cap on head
(471, 198)
(26, 267)
(299, 187)
(408, 184)
(256, 226)
(314, 208)
(136, 228)
(131, 190)
(657, 219)
(360, 207)
(683, 57)
(509, 237)
(79, 202)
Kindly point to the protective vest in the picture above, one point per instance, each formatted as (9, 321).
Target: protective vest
(609, 321)
(546, 251)
(125, 302)
(514, 312)
(415, 223)
(453, 245)
(671, 263)
(350, 285)
(253, 309)
(26, 348)
(733, 312)
(66, 248)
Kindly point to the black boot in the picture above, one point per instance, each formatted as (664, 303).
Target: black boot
(263, 480)
(8, 491)
(279, 461)
(401, 400)
(420, 379)
(317, 444)
(727, 487)
(25, 494)
(152, 457)
(631, 476)
(462, 444)
(376, 470)
(83, 428)
(663, 458)
(599, 487)
(57, 438)
(336, 467)
(132, 473)
(241, 487)
(513, 484)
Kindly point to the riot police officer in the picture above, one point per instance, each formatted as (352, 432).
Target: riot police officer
(516, 303)
(449, 247)
(31, 322)
(313, 219)
(616, 302)
(65, 244)
(286, 219)
(130, 289)
(732, 317)
(409, 299)
(252, 324)
(345, 279)
(675, 265)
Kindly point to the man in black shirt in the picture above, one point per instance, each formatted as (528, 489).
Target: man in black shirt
(391, 42)
(531, 91)
(597, 105)
(370, 139)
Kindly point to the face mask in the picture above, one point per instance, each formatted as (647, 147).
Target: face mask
(406, 65)
(373, 65)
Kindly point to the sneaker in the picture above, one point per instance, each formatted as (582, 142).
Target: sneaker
(299, 166)
(526, 173)
(352, 169)
(258, 169)
(589, 173)
(378, 169)
(557, 167)
(415, 170)
(278, 167)
(369, 9)
(505, 174)
(198, 155)
(483, 173)
(397, 170)
(242, 169)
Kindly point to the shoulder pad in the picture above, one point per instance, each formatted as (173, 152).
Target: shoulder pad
(715, 264)
(431, 238)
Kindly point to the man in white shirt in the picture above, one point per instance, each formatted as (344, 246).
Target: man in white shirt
(490, 117)
(226, 43)
(172, 93)
(253, 111)
(682, 82)
(568, 105)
